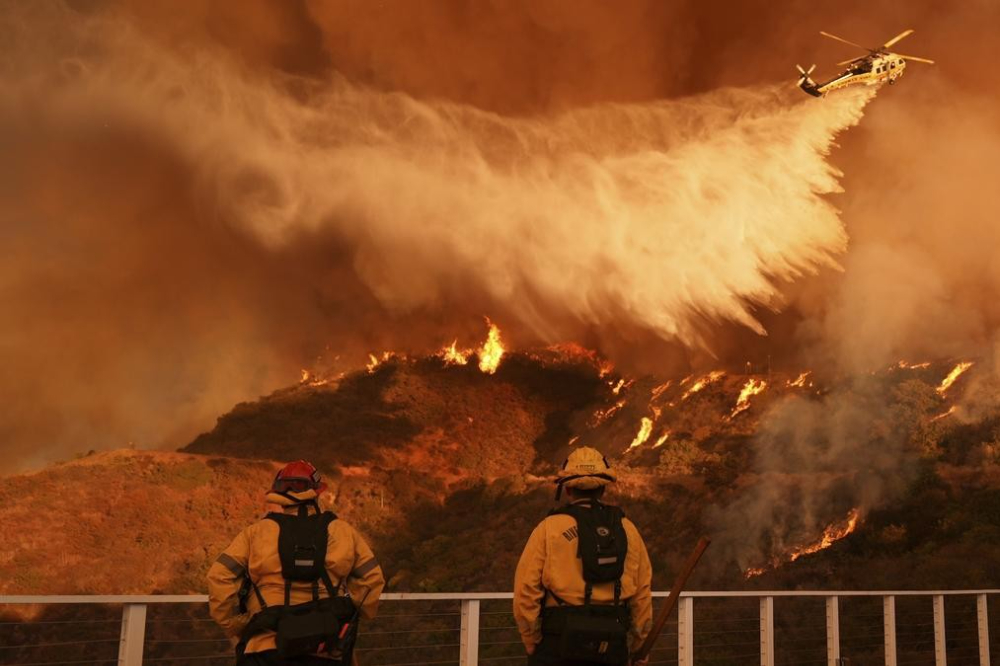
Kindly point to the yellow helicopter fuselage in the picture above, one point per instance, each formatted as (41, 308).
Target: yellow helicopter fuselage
(870, 72)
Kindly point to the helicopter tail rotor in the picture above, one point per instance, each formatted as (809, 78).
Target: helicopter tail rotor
(804, 79)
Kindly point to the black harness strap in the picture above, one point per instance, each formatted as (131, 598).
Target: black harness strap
(602, 546)
(256, 591)
(302, 549)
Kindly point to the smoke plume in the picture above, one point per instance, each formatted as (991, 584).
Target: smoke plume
(185, 227)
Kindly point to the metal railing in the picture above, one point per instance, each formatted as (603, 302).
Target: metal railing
(770, 628)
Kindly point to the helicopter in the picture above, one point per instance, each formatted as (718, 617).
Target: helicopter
(879, 66)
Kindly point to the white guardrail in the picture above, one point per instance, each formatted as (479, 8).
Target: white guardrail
(932, 627)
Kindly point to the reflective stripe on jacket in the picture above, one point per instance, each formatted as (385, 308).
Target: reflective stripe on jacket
(255, 549)
(550, 561)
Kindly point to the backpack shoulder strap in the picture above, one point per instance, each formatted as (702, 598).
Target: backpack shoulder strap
(327, 518)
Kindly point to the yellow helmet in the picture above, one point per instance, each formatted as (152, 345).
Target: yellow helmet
(585, 468)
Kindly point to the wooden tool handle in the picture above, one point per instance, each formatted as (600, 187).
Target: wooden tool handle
(668, 607)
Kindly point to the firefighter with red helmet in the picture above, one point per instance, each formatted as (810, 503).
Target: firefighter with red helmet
(291, 588)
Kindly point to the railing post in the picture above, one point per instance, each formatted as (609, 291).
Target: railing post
(767, 631)
(889, 628)
(983, 622)
(133, 635)
(469, 650)
(685, 631)
(940, 647)
(833, 631)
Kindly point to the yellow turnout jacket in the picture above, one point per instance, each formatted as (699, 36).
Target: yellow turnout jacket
(550, 562)
(254, 551)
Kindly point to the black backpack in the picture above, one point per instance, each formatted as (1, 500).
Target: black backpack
(328, 623)
(597, 633)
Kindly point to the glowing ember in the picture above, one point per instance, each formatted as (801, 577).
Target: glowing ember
(310, 379)
(800, 381)
(831, 534)
(452, 355)
(751, 388)
(906, 365)
(951, 410)
(663, 438)
(573, 440)
(645, 429)
(953, 376)
(616, 389)
(602, 415)
(492, 350)
(702, 383)
(658, 391)
(751, 572)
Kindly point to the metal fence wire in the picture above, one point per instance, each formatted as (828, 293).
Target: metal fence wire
(794, 628)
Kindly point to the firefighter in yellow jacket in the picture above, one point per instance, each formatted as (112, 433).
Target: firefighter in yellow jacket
(582, 587)
(301, 558)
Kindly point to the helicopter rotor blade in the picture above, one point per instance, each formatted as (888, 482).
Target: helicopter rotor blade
(907, 57)
(841, 39)
(905, 33)
(851, 61)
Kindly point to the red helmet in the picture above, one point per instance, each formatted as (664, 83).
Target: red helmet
(297, 477)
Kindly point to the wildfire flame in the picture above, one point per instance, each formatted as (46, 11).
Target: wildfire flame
(951, 410)
(452, 355)
(645, 429)
(375, 361)
(800, 381)
(311, 379)
(833, 533)
(492, 350)
(751, 388)
(906, 365)
(710, 378)
(602, 415)
(663, 438)
(953, 376)
(659, 390)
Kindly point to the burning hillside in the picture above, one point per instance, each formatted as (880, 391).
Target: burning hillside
(429, 455)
